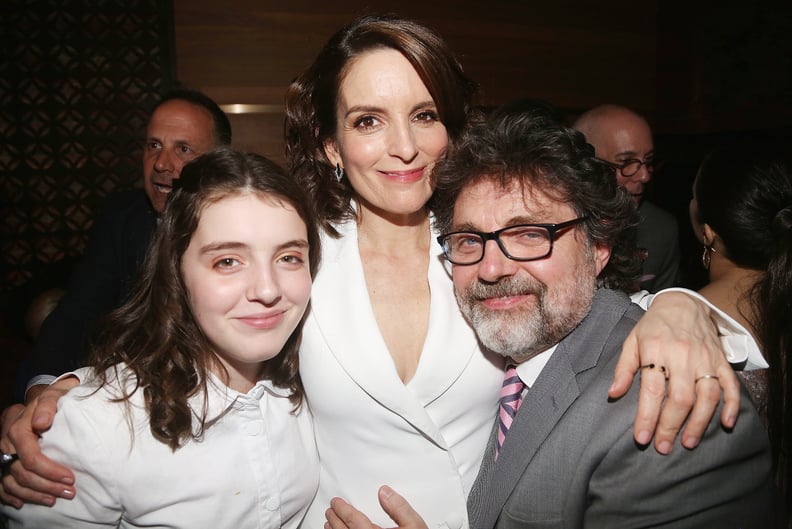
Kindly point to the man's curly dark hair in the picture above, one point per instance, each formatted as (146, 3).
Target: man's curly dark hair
(530, 146)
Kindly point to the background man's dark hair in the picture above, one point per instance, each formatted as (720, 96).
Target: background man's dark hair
(222, 127)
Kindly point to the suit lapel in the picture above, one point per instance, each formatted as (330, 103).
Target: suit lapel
(543, 406)
(554, 391)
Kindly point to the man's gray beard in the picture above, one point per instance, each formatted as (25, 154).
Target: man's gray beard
(523, 332)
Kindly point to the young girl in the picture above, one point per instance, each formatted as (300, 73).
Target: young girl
(195, 417)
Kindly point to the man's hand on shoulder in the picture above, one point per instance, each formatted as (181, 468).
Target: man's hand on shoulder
(33, 478)
(341, 515)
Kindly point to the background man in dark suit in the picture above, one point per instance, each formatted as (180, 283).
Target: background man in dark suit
(624, 140)
(184, 124)
(542, 240)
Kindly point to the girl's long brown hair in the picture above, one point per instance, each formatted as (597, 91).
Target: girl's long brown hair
(155, 333)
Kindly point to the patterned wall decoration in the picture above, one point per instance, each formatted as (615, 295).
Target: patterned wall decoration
(77, 79)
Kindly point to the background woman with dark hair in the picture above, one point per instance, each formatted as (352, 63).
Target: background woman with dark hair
(742, 213)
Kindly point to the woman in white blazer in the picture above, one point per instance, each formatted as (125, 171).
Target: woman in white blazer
(372, 427)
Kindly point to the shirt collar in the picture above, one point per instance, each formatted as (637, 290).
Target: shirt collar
(529, 370)
(222, 398)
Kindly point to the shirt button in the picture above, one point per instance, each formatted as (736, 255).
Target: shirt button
(272, 504)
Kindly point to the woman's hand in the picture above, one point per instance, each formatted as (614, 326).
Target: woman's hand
(33, 478)
(678, 334)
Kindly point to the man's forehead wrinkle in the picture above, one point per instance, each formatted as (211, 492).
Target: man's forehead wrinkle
(528, 205)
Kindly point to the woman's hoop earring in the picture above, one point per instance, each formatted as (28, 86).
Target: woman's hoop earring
(339, 172)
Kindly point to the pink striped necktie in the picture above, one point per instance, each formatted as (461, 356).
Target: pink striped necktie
(510, 400)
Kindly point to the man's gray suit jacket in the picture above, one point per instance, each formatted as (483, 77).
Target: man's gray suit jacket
(569, 459)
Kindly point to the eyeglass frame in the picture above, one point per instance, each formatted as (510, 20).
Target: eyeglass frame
(651, 165)
(552, 229)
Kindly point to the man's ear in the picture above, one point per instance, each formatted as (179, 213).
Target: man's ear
(331, 151)
(602, 255)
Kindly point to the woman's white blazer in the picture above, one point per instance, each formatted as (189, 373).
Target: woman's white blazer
(425, 438)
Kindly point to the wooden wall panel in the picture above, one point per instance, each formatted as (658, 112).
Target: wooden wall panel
(690, 68)
(724, 68)
(573, 54)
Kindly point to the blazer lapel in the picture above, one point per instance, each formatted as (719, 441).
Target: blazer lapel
(353, 336)
(543, 406)
(556, 389)
(450, 342)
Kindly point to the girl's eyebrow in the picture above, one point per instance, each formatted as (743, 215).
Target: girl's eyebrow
(222, 245)
(233, 245)
(294, 243)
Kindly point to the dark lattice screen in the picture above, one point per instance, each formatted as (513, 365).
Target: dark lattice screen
(76, 81)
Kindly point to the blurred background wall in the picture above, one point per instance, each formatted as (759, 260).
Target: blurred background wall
(77, 80)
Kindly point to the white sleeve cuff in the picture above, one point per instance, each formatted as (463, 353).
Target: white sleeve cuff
(39, 380)
(642, 298)
(82, 374)
(738, 344)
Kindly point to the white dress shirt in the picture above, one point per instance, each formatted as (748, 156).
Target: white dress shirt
(255, 467)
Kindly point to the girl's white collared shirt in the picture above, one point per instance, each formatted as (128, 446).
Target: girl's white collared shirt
(255, 468)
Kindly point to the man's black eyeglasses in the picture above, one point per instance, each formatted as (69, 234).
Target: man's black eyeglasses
(523, 242)
(629, 167)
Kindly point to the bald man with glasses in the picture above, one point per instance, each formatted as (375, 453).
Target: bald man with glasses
(623, 140)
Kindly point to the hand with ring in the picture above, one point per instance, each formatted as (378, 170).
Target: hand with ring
(6, 460)
(705, 377)
(660, 368)
(31, 477)
(676, 348)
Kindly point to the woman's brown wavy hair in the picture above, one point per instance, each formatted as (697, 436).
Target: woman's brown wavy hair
(311, 101)
(155, 333)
